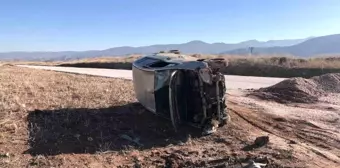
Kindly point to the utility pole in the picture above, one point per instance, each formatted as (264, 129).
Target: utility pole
(251, 51)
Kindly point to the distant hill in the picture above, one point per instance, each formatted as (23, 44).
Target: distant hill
(189, 47)
(324, 45)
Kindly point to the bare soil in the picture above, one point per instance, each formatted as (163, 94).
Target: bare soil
(51, 119)
(301, 90)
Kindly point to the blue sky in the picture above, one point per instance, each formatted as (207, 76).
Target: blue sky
(54, 25)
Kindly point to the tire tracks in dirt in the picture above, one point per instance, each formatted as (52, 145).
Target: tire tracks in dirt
(301, 133)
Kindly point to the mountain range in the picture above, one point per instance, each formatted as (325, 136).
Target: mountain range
(299, 47)
(323, 45)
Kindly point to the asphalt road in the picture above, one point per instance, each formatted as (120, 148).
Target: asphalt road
(232, 81)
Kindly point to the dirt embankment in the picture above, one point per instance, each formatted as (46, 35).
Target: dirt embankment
(301, 90)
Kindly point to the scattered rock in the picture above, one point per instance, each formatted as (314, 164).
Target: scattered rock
(261, 141)
(6, 155)
(292, 142)
(280, 119)
(330, 108)
(252, 164)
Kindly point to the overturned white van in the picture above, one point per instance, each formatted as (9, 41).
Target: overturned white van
(185, 91)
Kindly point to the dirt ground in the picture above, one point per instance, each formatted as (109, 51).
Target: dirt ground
(302, 90)
(51, 119)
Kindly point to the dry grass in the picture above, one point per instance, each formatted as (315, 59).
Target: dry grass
(269, 66)
(129, 58)
(286, 61)
(290, 62)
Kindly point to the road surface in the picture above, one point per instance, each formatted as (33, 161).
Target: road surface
(232, 81)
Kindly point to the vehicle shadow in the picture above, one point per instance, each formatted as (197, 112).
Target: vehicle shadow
(82, 130)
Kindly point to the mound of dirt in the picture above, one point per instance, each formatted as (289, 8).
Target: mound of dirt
(301, 90)
(329, 83)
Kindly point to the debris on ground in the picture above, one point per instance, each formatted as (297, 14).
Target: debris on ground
(6, 155)
(252, 164)
(301, 90)
(261, 141)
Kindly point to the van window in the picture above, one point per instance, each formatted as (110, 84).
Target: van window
(146, 61)
(159, 64)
